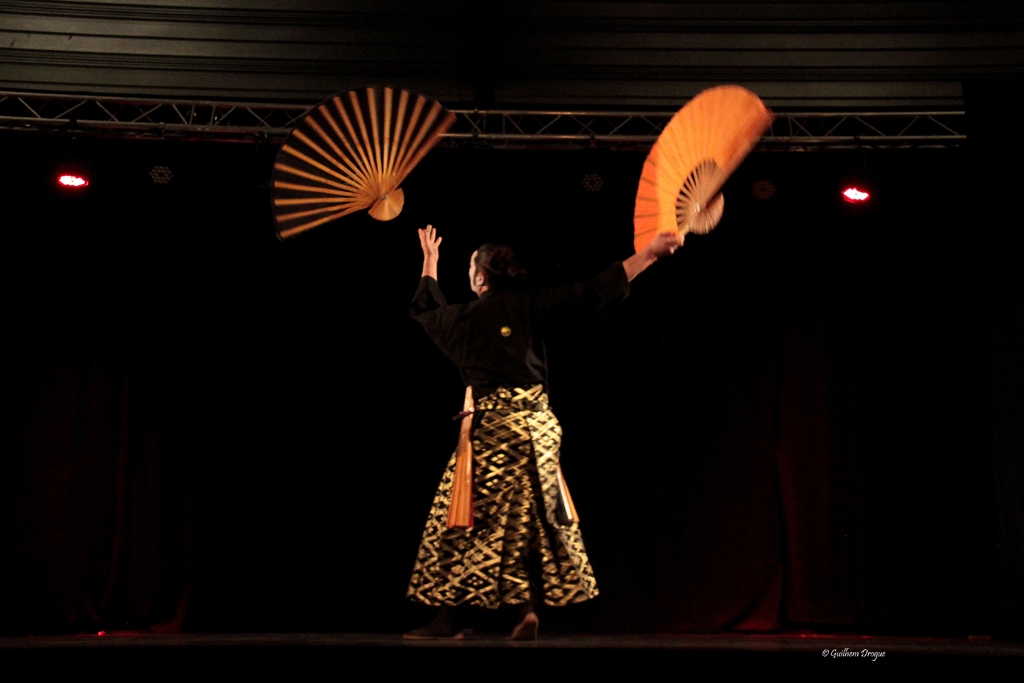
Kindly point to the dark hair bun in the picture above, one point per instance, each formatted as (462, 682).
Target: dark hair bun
(501, 266)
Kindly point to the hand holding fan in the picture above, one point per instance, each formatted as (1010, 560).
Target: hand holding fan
(698, 150)
(352, 152)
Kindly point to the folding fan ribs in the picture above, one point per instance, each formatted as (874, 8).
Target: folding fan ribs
(351, 153)
(698, 150)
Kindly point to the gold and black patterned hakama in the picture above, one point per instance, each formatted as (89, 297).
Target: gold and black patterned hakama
(516, 527)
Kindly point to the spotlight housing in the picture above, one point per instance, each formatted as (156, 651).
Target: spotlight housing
(161, 175)
(856, 195)
(762, 190)
(592, 182)
(72, 181)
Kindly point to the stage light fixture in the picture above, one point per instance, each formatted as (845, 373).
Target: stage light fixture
(161, 175)
(592, 182)
(855, 195)
(762, 190)
(72, 181)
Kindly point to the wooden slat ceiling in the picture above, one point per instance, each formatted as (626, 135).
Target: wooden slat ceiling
(528, 53)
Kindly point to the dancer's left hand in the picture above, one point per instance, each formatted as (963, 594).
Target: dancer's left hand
(665, 244)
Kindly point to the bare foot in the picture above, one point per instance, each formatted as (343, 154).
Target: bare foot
(447, 624)
(426, 633)
(527, 628)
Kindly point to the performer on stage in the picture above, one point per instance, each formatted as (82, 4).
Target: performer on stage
(522, 543)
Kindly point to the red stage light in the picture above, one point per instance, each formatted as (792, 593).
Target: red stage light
(72, 181)
(855, 195)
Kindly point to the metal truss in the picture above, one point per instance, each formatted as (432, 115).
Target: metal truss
(790, 131)
(511, 129)
(135, 117)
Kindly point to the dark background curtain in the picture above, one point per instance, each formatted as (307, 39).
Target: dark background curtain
(996, 153)
(787, 425)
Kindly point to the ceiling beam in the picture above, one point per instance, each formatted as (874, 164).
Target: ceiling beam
(226, 121)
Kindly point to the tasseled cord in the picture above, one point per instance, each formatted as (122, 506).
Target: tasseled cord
(460, 513)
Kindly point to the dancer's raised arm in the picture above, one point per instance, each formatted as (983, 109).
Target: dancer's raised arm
(664, 244)
(430, 242)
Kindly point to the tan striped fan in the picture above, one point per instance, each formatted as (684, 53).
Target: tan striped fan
(351, 153)
(698, 150)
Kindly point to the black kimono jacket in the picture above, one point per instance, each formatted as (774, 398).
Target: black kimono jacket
(499, 340)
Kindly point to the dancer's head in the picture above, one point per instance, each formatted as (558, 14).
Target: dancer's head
(494, 267)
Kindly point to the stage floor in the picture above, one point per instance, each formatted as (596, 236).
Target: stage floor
(122, 654)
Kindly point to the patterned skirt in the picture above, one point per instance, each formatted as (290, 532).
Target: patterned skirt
(517, 549)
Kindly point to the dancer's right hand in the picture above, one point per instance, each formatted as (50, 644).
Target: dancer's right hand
(430, 242)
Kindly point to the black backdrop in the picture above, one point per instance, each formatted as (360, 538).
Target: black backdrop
(787, 424)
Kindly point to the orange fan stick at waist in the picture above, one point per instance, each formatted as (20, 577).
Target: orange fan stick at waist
(352, 152)
(698, 150)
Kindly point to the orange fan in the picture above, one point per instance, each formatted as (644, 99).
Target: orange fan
(700, 147)
(351, 153)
